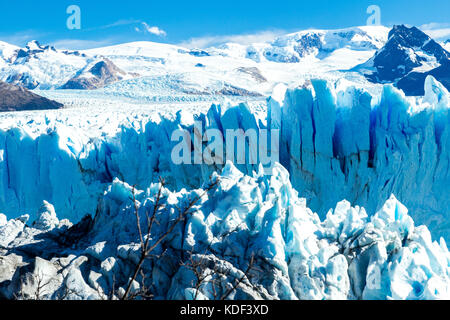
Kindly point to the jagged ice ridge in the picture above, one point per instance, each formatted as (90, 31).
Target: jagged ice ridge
(348, 255)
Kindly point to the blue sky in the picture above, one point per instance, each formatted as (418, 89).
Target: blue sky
(201, 23)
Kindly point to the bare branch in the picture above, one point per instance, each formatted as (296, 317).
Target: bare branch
(146, 248)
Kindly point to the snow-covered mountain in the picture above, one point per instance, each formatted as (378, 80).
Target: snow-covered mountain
(7, 51)
(252, 69)
(406, 59)
(319, 43)
(403, 56)
(156, 69)
(37, 66)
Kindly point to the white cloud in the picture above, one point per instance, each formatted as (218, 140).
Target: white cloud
(434, 25)
(144, 27)
(244, 39)
(141, 27)
(437, 31)
(441, 34)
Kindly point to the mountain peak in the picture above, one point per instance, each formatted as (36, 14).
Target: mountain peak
(415, 38)
(34, 45)
(16, 98)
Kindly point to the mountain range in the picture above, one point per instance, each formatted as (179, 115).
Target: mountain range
(366, 56)
(349, 204)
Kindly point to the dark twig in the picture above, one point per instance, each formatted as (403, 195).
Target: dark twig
(146, 248)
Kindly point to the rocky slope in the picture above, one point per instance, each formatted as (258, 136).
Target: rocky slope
(16, 98)
(45, 67)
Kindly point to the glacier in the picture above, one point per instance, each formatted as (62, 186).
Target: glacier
(330, 221)
(346, 255)
(156, 71)
(336, 142)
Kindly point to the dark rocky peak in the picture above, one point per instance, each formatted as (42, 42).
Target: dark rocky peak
(406, 49)
(400, 61)
(407, 37)
(96, 76)
(16, 98)
(403, 37)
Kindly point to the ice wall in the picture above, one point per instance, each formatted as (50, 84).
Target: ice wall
(335, 145)
(338, 147)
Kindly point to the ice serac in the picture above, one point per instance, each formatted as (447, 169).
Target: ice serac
(242, 218)
(342, 148)
(335, 145)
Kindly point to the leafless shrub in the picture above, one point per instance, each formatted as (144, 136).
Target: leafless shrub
(208, 274)
(146, 248)
(38, 281)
